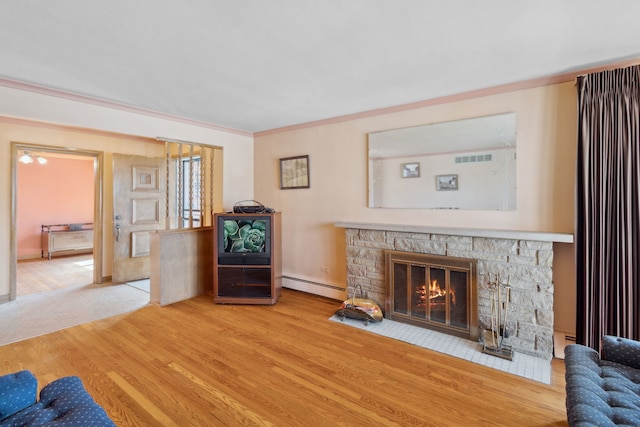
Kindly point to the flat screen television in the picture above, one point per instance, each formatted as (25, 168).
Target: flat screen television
(244, 239)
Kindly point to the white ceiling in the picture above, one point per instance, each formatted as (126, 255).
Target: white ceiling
(256, 65)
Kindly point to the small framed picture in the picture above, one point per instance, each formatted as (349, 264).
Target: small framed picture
(446, 182)
(294, 172)
(410, 170)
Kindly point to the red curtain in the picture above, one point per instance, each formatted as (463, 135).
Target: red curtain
(608, 206)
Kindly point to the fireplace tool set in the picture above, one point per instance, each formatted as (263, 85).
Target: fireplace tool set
(494, 338)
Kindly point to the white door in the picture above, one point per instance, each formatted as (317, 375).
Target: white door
(138, 208)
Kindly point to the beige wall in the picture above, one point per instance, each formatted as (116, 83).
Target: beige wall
(14, 103)
(314, 250)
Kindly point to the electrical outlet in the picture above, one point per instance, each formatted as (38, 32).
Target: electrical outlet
(324, 269)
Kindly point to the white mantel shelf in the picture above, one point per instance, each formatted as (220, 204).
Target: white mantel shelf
(472, 232)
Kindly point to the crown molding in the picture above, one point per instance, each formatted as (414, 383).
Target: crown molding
(494, 90)
(30, 87)
(70, 128)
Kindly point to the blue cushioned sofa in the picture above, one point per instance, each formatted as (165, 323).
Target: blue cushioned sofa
(64, 402)
(603, 390)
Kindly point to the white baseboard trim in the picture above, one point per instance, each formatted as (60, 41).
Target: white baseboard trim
(314, 287)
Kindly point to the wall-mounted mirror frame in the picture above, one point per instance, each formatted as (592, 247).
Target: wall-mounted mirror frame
(460, 164)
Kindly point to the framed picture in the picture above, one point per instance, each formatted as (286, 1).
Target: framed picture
(294, 172)
(446, 182)
(410, 170)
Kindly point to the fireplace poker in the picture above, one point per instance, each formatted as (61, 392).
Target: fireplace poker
(493, 318)
(506, 308)
(499, 314)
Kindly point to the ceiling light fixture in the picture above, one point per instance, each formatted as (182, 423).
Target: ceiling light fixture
(27, 157)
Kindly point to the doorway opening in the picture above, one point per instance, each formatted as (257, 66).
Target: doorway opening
(89, 266)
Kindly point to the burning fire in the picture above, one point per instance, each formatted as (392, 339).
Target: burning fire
(436, 293)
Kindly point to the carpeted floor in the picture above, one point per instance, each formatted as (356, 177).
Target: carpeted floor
(143, 285)
(38, 314)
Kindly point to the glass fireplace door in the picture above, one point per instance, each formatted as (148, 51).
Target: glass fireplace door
(433, 291)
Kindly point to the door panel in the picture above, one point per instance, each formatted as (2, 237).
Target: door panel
(138, 209)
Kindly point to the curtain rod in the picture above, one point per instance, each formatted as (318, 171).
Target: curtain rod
(610, 67)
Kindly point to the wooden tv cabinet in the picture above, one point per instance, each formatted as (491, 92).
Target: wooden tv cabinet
(237, 282)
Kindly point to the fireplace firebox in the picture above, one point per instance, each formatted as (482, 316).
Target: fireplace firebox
(433, 291)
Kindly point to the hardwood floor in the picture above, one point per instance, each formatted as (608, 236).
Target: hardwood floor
(42, 275)
(195, 363)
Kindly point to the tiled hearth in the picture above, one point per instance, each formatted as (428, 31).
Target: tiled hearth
(526, 258)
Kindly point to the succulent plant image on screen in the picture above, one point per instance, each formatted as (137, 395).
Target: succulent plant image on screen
(244, 235)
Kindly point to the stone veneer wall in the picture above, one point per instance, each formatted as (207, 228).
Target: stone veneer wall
(527, 263)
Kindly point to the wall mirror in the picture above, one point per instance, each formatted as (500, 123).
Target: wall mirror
(461, 164)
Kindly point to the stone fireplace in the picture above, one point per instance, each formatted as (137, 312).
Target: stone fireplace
(526, 258)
